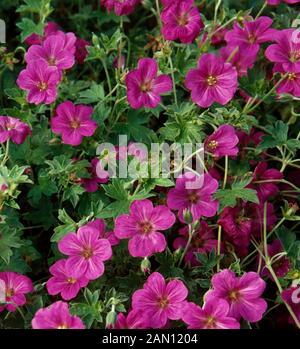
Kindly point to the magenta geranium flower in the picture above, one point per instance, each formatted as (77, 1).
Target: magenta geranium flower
(65, 280)
(160, 301)
(142, 227)
(120, 7)
(213, 81)
(35, 39)
(218, 38)
(277, 2)
(241, 59)
(292, 297)
(253, 138)
(203, 241)
(222, 142)
(92, 184)
(81, 50)
(256, 213)
(213, 315)
(291, 84)
(166, 3)
(144, 87)
(56, 317)
(252, 34)
(13, 129)
(99, 224)
(14, 286)
(86, 251)
(285, 51)
(243, 221)
(57, 50)
(242, 293)
(237, 229)
(135, 319)
(119, 62)
(41, 81)
(199, 201)
(281, 265)
(73, 122)
(265, 181)
(181, 21)
(138, 152)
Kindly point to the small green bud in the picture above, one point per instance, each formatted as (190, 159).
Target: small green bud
(146, 266)
(187, 216)
(111, 318)
(95, 40)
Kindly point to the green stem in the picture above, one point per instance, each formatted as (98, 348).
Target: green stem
(6, 155)
(218, 3)
(158, 13)
(276, 227)
(225, 172)
(138, 187)
(222, 26)
(33, 227)
(191, 232)
(220, 227)
(267, 95)
(290, 310)
(120, 46)
(268, 263)
(112, 91)
(107, 74)
(262, 9)
(219, 247)
(21, 312)
(265, 239)
(278, 181)
(248, 257)
(173, 79)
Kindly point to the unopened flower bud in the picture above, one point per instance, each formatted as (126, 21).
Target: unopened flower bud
(146, 266)
(187, 216)
(95, 40)
(111, 319)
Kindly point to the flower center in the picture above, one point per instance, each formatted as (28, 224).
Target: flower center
(10, 127)
(294, 56)
(241, 219)
(42, 86)
(87, 253)
(234, 295)
(211, 80)
(213, 145)
(10, 292)
(198, 242)
(146, 227)
(193, 197)
(291, 76)
(71, 281)
(183, 19)
(63, 327)
(75, 123)
(146, 86)
(252, 38)
(210, 321)
(52, 60)
(163, 302)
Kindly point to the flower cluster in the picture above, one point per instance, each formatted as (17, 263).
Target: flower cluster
(47, 58)
(13, 129)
